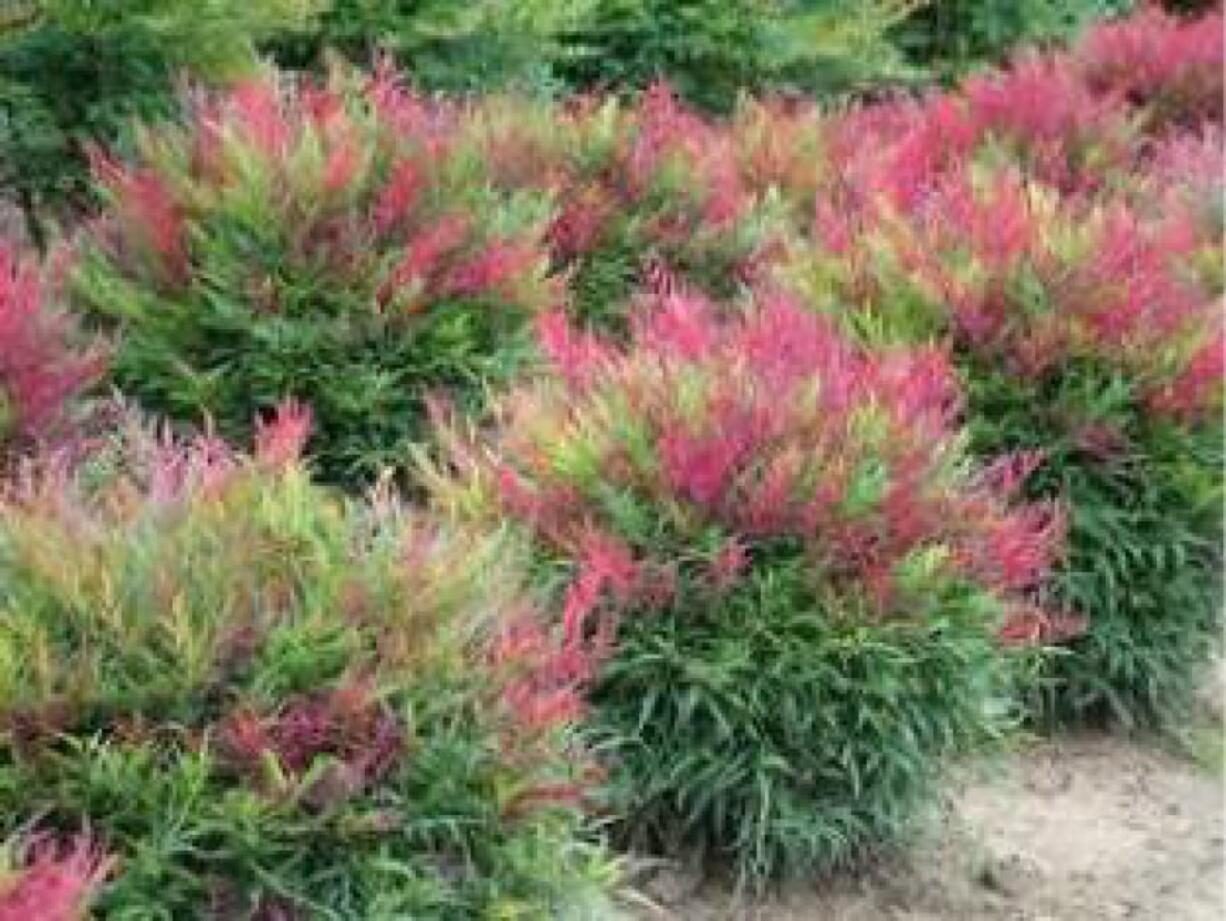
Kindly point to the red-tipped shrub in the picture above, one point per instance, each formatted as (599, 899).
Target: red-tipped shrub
(52, 882)
(259, 665)
(757, 517)
(333, 244)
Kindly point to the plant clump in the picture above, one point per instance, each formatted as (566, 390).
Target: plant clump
(43, 365)
(264, 701)
(329, 244)
(774, 540)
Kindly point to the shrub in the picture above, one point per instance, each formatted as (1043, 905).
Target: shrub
(264, 701)
(952, 36)
(712, 52)
(1084, 310)
(488, 45)
(337, 245)
(796, 579)
(75, 73)
(41, 365)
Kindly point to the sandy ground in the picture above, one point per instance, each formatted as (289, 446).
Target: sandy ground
(1078, 829)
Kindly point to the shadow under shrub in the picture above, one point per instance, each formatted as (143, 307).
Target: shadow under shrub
(261, 701)
(775, 542)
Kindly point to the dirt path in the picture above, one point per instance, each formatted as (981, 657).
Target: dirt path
(1083, 829)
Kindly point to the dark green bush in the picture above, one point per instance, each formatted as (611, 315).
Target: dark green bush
(75, 74)
(441, 44)
(711, 52)
(951, 36)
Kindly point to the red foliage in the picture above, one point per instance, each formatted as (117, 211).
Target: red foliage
(1155, 59)
(768, 425)
(148, 212)
(56, 883)
(347, 723)
(39, 369)
(279, 441)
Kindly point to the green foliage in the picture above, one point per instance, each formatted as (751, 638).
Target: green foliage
(711, 52)
(349, 259)
(76, 73)
(951, 36)
(443, 45)
(773, 729)
(1144, 547)
(262, 700)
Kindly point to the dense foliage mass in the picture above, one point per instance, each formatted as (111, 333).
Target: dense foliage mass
(799, 420)
(336, 245)
(42, 365)
(1061, 224)
(76, 73)
(951, 36)
(259, 701)
(778, 543)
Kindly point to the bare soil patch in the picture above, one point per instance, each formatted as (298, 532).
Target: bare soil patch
(1093, 828)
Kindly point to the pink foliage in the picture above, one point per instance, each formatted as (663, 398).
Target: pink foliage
(57, 882)
(766, 425)
(39, 369)
(280, 441)
(148, 213)
(1155, 58)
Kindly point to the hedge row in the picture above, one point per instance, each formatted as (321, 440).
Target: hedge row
(766, 463)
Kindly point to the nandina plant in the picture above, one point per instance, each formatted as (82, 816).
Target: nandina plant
(333, 244)
(43, 362)
(644, 192)
(774, 540)
(1086, 324)
(1169, 67)
(261, 700)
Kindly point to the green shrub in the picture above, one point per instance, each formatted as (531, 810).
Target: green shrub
(484, 45)
(337, 245)
(264, 701)
(74, 74)
(776, 541)
(712, 52)
(951, 36)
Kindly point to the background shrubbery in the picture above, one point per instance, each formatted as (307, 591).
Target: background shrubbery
(75, 74)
